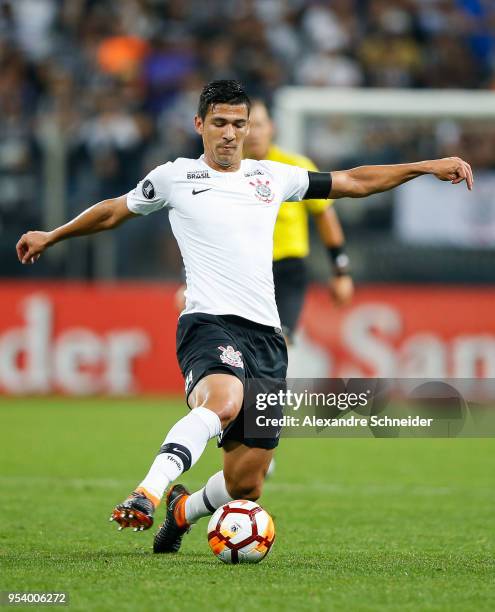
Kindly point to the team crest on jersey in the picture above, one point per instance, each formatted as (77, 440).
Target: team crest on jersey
(262, 191)
(231, 357)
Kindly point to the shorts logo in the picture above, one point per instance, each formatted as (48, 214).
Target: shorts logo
(148, 190)
(231, 357)
(262, 191)
(189, 379)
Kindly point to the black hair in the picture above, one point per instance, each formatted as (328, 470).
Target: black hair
(222, 92)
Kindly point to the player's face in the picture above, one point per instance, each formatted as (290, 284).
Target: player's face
(223, 130)
(260, 133)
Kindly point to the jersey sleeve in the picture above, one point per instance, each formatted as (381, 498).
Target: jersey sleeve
(296, 183)
(153, 192)
(293, 180)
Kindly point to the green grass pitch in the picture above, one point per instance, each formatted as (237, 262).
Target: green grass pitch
(361, 524)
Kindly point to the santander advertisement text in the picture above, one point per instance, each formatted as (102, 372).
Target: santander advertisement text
(119, 339)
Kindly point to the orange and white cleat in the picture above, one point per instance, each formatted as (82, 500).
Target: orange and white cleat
(136, 511)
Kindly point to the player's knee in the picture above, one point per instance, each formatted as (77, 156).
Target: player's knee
(227, 408)
(223, 394)
(249, 488)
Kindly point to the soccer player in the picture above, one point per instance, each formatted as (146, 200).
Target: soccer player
(291, 238)
(222, 209)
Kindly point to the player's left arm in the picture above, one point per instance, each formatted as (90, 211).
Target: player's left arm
(331, 234)
(366, 180)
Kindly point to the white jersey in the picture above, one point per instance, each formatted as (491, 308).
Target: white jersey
(223, 223)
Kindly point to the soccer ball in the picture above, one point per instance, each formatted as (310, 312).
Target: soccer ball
(241, 532)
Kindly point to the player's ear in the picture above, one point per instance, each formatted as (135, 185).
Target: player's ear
(198, 125)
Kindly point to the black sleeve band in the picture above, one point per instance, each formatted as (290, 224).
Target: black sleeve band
(319, 187)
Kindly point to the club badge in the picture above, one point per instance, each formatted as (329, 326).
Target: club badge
(231, 357)
(262, 191)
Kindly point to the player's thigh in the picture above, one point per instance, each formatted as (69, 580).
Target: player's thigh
(245, 468)
(222, 393)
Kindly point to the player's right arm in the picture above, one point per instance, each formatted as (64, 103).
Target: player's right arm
(102, 216)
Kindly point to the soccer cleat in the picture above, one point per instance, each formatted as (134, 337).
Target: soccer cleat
(136, 511)
(168, 538)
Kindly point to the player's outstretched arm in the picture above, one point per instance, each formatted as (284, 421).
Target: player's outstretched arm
(365, 180)
(102, 216)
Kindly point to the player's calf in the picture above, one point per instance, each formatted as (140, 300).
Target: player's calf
(244, 469)
(248, 488)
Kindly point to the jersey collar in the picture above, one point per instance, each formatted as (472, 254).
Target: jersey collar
(201, 159)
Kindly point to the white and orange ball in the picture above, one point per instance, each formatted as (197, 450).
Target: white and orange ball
(241, 532)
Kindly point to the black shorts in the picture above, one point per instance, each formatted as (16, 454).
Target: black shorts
(291, 281)
(227, 343)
